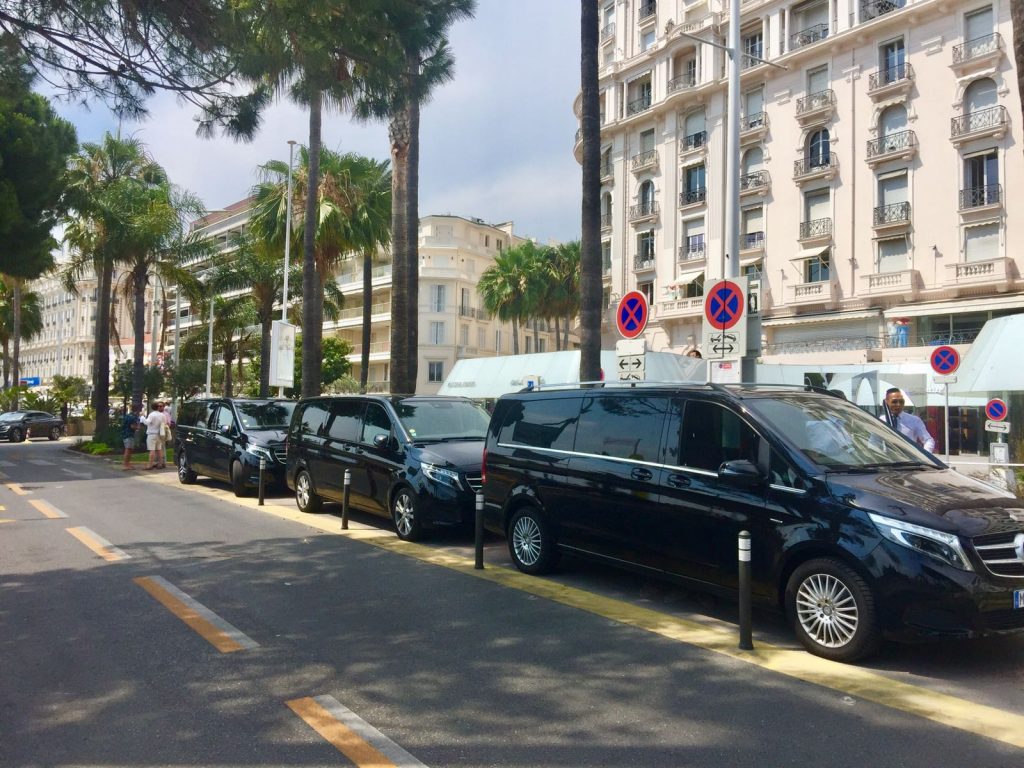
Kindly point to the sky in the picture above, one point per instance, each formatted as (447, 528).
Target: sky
(496, 142)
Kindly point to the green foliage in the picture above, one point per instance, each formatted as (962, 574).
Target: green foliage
(187, 379)
(110, 436)
(336, 368)
(10, 395)
(36, 401)
(69, 389)
(95, 448)
(123, 380)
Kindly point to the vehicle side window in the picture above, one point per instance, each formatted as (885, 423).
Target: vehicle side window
(541, 423)
(314, 419)
(224, 418)
(375, 422)
(782, 473)
(345, 420)
(623, 427)
(713, 435)
(200, 415)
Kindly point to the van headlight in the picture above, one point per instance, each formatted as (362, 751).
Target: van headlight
(942, 546)
(259, 451)
(441, 475)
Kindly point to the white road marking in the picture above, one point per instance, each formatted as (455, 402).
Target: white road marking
(7, 464)
(84, 475)
(40, 462)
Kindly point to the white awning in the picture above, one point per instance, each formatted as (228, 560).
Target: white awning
(809, 253)
(830, 317)
(993, 364)
(957, 307)
(638, 75)
(685, 278)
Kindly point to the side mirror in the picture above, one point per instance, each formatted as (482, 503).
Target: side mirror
(382, 441)
(740, 472)
(225, 429)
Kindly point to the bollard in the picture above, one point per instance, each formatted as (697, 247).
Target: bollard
(263, 485)
(478, 532)
(746, 642)
(344, 502)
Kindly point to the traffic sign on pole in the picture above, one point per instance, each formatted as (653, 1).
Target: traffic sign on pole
(944, 360)
(632, 314)
(996, 409)
(724, 305)
(1001, 427)
(724, 330)
(632, 359)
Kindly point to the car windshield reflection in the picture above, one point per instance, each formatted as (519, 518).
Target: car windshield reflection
(266, 415)
(437, 420)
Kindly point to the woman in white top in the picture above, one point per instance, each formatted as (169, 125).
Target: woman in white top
(155, 443)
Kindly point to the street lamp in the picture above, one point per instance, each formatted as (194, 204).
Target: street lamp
(209, 348)
(287, 240)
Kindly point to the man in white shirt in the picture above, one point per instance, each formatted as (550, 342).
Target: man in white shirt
(906, 424)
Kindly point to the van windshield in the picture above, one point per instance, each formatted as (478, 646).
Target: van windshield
(431, 420)
(273, 414)
(837, 434)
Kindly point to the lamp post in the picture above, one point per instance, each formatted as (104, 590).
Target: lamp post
(209, 350)
(287, 242)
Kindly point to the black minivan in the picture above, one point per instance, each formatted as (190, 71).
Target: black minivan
(857, 534)
(225, 438)
(413, 459)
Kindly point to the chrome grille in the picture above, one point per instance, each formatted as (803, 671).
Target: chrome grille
(475, 482)
(1002, 553)
(281, 453)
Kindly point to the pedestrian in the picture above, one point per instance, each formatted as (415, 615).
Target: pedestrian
(906, 424)
(156, 441)
(129, 426)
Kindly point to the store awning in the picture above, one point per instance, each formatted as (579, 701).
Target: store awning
(959, 306)
(993, 364)
(809, 253)
(830, 317)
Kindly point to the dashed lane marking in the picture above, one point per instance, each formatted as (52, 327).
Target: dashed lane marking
(99, 545)
(359, 741)
(40, 462)
(7, 464)
(8, 521)
(47, 509)
(211, 627)
(16, 488)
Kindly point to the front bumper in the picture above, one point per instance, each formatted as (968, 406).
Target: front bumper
(443, 505)
(274, 474)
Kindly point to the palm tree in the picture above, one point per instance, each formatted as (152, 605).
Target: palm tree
(590, 244)
(510, 288)
(31, 320)
(564, 295)
(233, 339)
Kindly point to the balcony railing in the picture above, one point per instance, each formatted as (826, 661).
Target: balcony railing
(643, 159)
(648, 9)
(752, 57)
(975, 197)
(606, 220)
(693, 196)
(811, 165)
(640, 210)
(607, 32)
(607, 170)
(894, 74)
(357, 312)
(752, 240)
(894, 142)
(983, 119)
(815, 228)
(752, 181)
(682, 82)
(694, 141)
(643, 262)
(473, 312)
(976, 48)
(692, 251)
(812, 34)
(875, 8)
(753, 122)
(382, 270)
(897, 213)
(376, 348)
(637, 106)
(815, 101)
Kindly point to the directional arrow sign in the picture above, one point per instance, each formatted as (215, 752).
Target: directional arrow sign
(1003, 427)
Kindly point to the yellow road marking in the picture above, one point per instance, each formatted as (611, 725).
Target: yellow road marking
(16, 488)
(47, 509)
(8, 521)
(224, 638)
(98, 544)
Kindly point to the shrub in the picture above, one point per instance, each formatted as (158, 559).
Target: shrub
(97, 448)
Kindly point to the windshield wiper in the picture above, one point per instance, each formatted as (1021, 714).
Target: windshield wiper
(901, 465)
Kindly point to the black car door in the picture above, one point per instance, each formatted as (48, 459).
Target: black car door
(221, 441)
(339, 451)
(191, 433)
(377, 463)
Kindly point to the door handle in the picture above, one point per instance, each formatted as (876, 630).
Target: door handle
(639, 473)
(679, 481)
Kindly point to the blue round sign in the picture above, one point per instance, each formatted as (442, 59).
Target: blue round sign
(945, 360)
(632, 314)
(996, 409)
(723, 306)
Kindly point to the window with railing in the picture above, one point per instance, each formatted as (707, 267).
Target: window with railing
(752, 122)
(872, 9)
(893, 142)
(895, 213)
(755, 180)
(644, 250)
(976, 197)
(695, 140)
(817, 269)
(692, 248)
(642, 209)
(808, 35)
(752, 240)
(682, 82)
(608, 32)
(647, 9)
(815, 228)
(753, 50)
(894, 74)
(976, 48)
(982, 119)
(815, 101)
(644, 159)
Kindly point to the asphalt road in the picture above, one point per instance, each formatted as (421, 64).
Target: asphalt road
(161, 625)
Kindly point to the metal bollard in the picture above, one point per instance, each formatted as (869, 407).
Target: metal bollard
(478, 532)
(344, 502)
(746, 641)
(263, 485)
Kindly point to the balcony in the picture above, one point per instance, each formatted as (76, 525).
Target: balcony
(822, 292)
(376, 348)
(682, 83)
(753, 126)
(643, 211)
(643, 161)
(804, 37)
(755, 183)
(606, 221)
(810, 168)
(643, 263)
(902, 283)
(896, 146)
(978, 52)
(607, 172)
(473, 313)
(981, 199)
(608, 32)
(691, 252)
(693, 197)
(752, 58)
(378, 274)
(815, 106)
(891, 218)
(677, 308)
(752, 241)
(985, 123)
(693, 143)
(648, 10)
(875, 8)
(636, 106)
(995, 274)
(346, 316)
(815, 229)
(891, 81)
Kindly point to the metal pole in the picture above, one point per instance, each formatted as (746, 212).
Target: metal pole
(177, 325)
(344, 500)
(209, 353)
(746, 642)
(478, 532)
(731, 265)
(263, 486)
(946, 419)
(287, 241)
(152, 331)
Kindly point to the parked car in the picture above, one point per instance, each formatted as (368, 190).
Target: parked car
(19, 425)
(857, 533)
(225, 438)
(413, 459)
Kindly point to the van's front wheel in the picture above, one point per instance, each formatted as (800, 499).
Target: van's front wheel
(832, 610)
(530, 542)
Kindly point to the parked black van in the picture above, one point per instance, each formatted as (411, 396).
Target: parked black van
(225, 438)
(857, 534)
(413, 459)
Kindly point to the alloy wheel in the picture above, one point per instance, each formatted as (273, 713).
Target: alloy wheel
(302, 490)
(526, 540)
(405, 518)
(827, 610)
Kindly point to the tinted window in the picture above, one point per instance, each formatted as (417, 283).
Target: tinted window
(426, 420)
(195, 414)
(376, 422)
(314, 418)
(713, 435)
(623, 427)
(347, 418)
(541, 423)
(224, 417)
(272, 415)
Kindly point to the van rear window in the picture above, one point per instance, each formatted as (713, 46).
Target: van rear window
(622, 427)
(541, 423)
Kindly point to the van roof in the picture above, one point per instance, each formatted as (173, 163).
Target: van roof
(735, 391)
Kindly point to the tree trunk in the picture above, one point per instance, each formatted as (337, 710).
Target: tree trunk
(558, 336)
(16, 333)
(312, 287)
(364, 357)
(101, 376)
(536, 337)
(401, 319)
(265, 352)
(412, 225)
(229, 358)
(7, 364)
(139, 321)
(590, 245)
(515, 336)
(565, 332)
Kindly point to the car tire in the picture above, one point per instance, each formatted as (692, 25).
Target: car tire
(306, 499)
(15, 435)
(832, 610)
(403, 515)
(531, 543)
(185, 474)
(238, 484)
(54, 433)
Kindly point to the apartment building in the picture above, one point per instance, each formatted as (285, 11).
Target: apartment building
(880, 149)
(454, 252)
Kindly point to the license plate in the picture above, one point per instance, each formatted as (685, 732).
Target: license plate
(1018, 598)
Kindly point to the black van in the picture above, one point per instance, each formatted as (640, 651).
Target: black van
(225, 438)
(413, 459)
(857, 534)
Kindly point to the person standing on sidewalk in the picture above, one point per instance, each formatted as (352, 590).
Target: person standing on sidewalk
(129, 426)
(155, 441)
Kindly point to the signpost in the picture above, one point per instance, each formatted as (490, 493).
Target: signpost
(997, 411)
(282, 354)
(632, 314)
(29, 381)
(632, 362)
(725, 325)
(944, 361)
